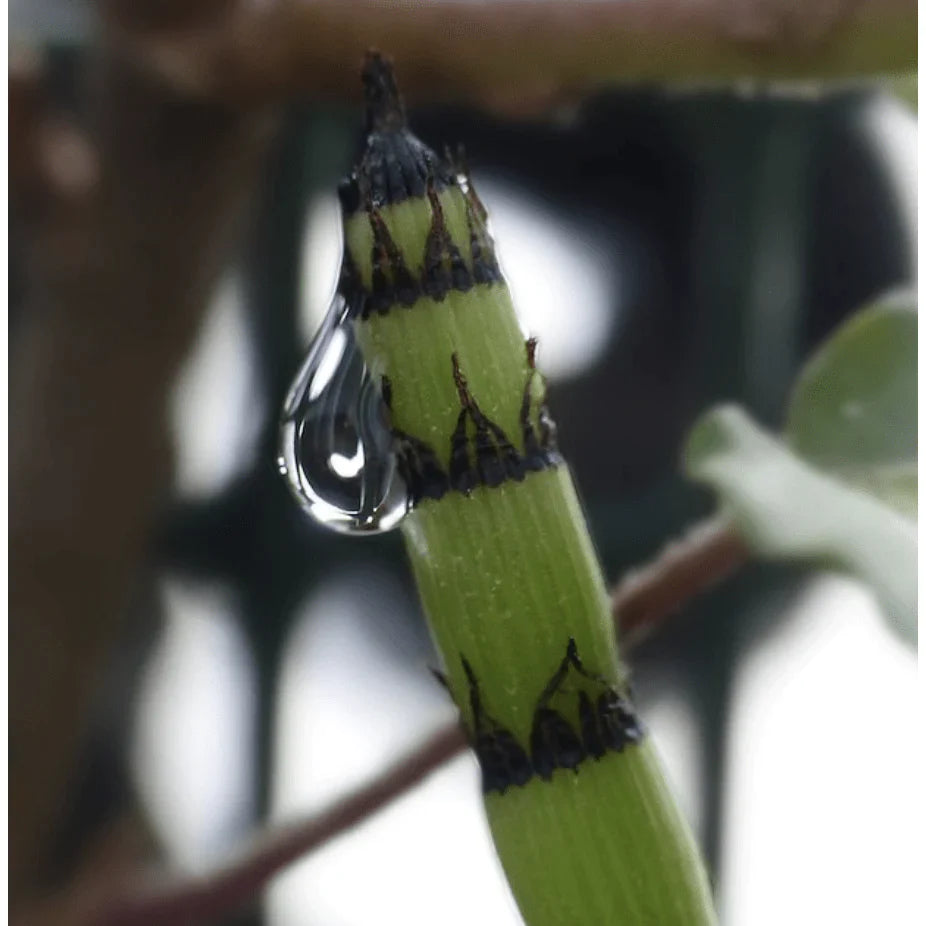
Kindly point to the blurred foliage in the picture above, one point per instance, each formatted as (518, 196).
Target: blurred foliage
(853, 409)
(906, 88)
(843, 495)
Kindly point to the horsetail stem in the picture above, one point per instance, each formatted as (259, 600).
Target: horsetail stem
(583, 822)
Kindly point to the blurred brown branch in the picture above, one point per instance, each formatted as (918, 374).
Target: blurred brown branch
(644, 598)
(509, 53)
(207, 899)
(126, 226)
(707, 554)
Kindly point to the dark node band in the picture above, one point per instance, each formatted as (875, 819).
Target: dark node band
(607, 723)
(444, 269)
(481, 454)
(394, 167)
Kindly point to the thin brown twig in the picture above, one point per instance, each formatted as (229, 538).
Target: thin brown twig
(641, 602)
(687, 567)
(205, 899)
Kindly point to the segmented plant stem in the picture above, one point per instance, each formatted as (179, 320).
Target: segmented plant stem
(584, 824)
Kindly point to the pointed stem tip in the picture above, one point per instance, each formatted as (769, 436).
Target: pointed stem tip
(385, 110)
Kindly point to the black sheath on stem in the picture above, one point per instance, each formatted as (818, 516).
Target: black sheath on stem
(393, 165)
(385, 110)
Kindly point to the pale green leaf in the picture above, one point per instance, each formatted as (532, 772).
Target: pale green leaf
(787, 508)
(853, 410)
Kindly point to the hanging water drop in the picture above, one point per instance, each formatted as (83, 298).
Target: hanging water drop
(335, 443)
(337, 447)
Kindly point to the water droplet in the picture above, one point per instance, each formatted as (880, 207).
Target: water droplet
(335, 444)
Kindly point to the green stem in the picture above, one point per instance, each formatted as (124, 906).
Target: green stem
(506, 576)
(501, 554)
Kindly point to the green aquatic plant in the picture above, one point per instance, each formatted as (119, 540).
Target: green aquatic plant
(422, 390)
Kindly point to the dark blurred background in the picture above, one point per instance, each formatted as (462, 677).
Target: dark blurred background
(670, 249)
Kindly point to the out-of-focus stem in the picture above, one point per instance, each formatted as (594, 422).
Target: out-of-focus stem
(461, 50)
